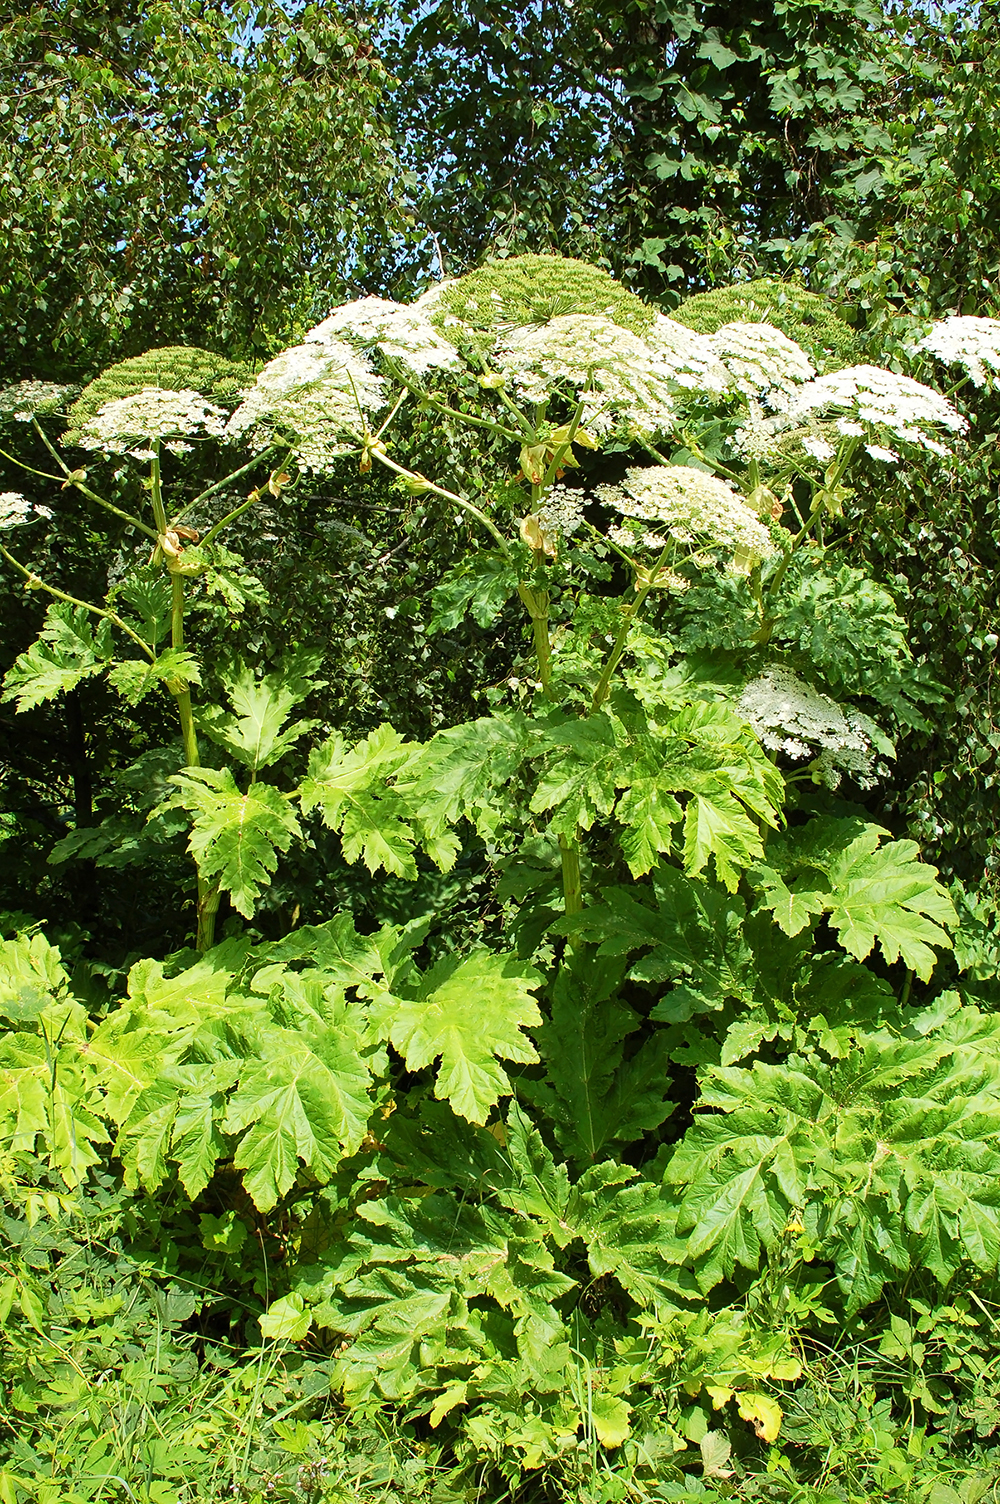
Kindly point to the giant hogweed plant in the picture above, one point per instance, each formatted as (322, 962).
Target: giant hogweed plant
(688, 888)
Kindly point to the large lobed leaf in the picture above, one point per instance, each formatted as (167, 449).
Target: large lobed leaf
(235, 837)
(470, 1013)
(874, 891)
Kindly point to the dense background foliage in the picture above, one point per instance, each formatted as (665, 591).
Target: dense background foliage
(219, 177)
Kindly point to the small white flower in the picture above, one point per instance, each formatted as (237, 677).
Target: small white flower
(26, 398)
(759, 438)
(562, 511)
(178, 446)
(884, 400)
(142, 454)
(818, 448)
(45, 512)
(972, 343)
(850, 429)
(692, 506)
(887, 456)
(14, 508)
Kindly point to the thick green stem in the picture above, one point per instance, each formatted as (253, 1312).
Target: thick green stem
(537, 605)
(628, 617)
(78, 485)
(572, 890)
(220, 485)
(208, 893)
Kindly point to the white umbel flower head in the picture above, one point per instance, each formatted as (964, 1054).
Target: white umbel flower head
(403, 332)
(762, 362)
(972, 343)
(626, 382)
(317, 395)
(16, 509)
(693, 507)
(696, 366)
(562, 511)
(148, 416)
(25, 399)
(794, 717)
(884, 400)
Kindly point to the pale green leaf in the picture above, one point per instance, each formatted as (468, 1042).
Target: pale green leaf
(235, 837)
(470, 1013)
(67, 651)
(286, 1319)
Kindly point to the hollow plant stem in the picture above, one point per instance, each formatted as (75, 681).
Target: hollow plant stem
(35, 582)
(84, 490)
(428, 485)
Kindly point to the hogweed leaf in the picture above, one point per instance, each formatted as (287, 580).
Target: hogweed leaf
(591, 1094)
(135, 677)
(306, 1099)
(235, 837)
(350, 788)
(874, 891)
(458, 774)
(470, 1013)
(256, 733)
(66, 651)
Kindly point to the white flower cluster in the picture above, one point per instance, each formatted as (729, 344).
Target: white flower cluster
(26, 398)
(883, 399)
(562, 511)
(759, 438)
(794, 717)
(626, 382)
(973, 344)
(762, 362)
(402, 332)
(317, 395)
(148, 416)
(16, 509)
(817, 448)
(694, 362)
(692, 506)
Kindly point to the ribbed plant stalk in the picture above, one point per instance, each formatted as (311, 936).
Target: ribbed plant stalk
(208, 893)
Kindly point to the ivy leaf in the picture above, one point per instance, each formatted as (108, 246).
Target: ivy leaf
(610, 1418)
(286, 1319)
(469, 1012)
(764, 1411)
(235, 837)
(67, 651)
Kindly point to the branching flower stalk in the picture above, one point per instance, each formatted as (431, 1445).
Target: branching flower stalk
(824, 498)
